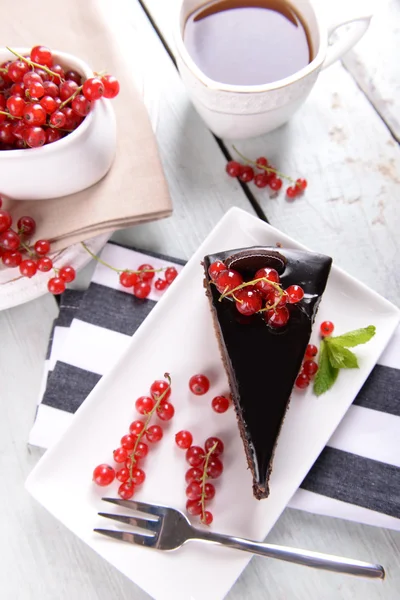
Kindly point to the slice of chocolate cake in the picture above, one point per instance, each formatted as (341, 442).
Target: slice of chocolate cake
(263, 329)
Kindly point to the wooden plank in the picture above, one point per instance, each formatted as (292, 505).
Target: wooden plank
(375, 66)
(338, 142)
(41, 558)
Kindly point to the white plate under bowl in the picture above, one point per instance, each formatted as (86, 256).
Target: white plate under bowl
(16, 289)
(178, 337)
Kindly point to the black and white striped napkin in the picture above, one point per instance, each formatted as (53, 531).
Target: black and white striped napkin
(356, 477)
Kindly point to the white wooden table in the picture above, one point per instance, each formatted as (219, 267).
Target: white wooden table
(345, 142)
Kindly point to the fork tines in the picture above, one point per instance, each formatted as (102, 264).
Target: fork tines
(149, 524)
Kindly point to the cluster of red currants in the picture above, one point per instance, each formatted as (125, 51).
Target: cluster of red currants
(309, 367)
(200, 384)
(133, 449)
(140, 280)
(205, 463)
(269, 176)
(15, 251)
(263, 294)
(41, 102)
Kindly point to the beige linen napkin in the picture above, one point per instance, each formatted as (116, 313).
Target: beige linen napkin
(135, 189)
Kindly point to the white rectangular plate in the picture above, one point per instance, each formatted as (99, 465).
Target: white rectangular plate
(178, 337)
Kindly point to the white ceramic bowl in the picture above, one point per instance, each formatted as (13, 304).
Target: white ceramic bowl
(69, 165)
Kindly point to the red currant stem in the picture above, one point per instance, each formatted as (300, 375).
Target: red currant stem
(203, 480)
(100, 73)
(267, 169)
(273, 306)
(3, 70)
(147, 421)
(33, 64)
(26, 247)
(48, 125)
(76, 92)
(247, 283)
(3, 112)
(103, 262)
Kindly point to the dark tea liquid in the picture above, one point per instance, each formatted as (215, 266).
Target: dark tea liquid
(247, 42)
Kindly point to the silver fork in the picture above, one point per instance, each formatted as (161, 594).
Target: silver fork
(167, 529)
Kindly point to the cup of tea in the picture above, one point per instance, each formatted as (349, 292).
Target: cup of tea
(248, 65)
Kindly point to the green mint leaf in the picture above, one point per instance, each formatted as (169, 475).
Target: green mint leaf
(326, 374)
(354, 338)
(340, 357)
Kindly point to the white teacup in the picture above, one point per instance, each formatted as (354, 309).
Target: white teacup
(245, 111)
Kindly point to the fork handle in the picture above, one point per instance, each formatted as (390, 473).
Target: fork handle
(294, 555)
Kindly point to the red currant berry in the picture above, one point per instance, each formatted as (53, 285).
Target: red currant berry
(58, 119)
(59, 72)
(11, 258)
(160, 284)
(262, 162)
(327, 328)
(295, 293)
(144, 405)
(42, 55)
(44, 264)
(67, 89)
(209, 491)
(301, 184)
(165, 411)
(103, 475)
(276, 299)
(31, 77)
(52, 135)
(141, 290)
(81, 105)
(311, 350)
(49, 104)
(93, 89)
(292, 192)
(16, 105)
(228, 280)
(26, 225)
(141, 450)
(128, 441)
(193, 507)
(136, 428)
(193, 491)
(266, 275)
(42, 247)
(56, 285)
(215, 269)
(310, 367)
(160, 387)
(34, 114)
(34, 137)
(195, 456)
(1, 201)
(214, 467)
(248, 301)
(193, 474)
(50, 88)
(18, 129)
(233, 168)
(214, 441)
(220, 404)
(261, 180)
(170, 274)
(154, 433)
(302, 381)
(199, 384)
(9, 240)
(122, 475)
(183, 439)
(6, 133)
(146, 272)
(128, 279)
(111, 86)
(277, 317)
(207, 518)
(36, 90)
(18, 89)
(67, 273)
(74, 76)
(17, 70)
(5, 220)
(138, 476)
(126, 490)
(246, 174)
(120, 455)
(275, 183)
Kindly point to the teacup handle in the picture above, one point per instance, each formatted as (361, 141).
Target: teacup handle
(348, 41)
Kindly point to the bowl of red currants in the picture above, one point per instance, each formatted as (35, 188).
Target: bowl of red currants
(57, 125)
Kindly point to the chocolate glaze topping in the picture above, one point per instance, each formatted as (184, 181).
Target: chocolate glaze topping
(262, 364)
